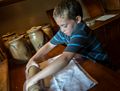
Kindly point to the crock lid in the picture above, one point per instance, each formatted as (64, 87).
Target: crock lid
(45, 26)
(19, 37)
(33, 29)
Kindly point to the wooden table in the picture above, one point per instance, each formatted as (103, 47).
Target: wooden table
(107, 79)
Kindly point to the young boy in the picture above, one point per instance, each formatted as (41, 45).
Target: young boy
(75, 34)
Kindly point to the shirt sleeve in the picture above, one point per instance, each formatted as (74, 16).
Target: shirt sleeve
(58, 38)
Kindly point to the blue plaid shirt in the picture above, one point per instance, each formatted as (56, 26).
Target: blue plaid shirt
(81, 41)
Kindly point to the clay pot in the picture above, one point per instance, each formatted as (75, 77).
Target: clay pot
(19, 49)
(7, 37)
(47, 29)
(36, 37)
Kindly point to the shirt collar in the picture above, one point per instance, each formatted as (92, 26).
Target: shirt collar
(79, 26)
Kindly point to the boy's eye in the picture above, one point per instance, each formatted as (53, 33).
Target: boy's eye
(64, 26)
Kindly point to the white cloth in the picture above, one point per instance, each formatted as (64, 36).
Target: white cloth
(72, 78)
(105, 17)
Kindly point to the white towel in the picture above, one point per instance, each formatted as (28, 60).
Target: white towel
(72, 78)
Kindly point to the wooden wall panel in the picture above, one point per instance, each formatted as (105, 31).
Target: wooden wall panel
(94, 7)
(21, 16)
(109, 35)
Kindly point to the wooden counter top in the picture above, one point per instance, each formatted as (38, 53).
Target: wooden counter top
(99, 24)
(107, 79)
(4, 86)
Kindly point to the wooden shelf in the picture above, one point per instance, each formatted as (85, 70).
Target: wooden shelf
(99, 24)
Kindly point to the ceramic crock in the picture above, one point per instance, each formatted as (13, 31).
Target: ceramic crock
(36, 37)
(47, 29)
(19, 49)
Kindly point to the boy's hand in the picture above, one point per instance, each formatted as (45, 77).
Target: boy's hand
(29, 64)
(28, 83)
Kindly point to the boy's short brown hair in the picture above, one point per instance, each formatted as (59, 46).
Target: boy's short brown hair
(70, 7)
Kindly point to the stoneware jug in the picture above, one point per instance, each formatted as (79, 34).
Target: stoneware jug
(36, 37)
(19, 49)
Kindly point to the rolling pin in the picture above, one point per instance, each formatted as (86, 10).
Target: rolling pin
(38, 86)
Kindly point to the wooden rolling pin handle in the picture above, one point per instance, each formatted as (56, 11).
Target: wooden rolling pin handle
(38, 86)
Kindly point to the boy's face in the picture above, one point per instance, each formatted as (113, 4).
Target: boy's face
(66, 25)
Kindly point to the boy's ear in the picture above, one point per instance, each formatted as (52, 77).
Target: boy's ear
(78, 19)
